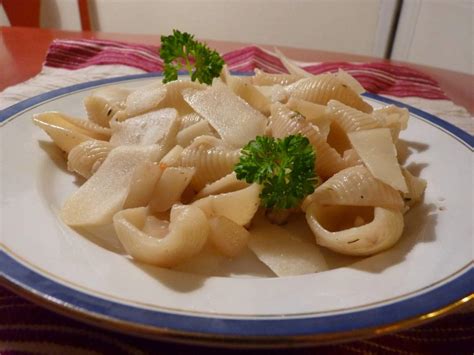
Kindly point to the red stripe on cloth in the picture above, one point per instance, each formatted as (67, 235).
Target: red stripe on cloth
(376, 77)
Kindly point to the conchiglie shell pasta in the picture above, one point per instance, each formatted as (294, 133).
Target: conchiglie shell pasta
(188, 120)
(239, 206)
(87, 157)
(86, 127)
(211, 162)
(104, 103)
(350, 119)
(105, 193)
(267, 79)
(65, 135)
(355, 186)
(379, 234)
(285, 122)
(322, 88)
(187, 233)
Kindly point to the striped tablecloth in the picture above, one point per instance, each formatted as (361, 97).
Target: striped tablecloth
(28, 328)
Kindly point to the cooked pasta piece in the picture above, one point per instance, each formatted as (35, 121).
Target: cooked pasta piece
(104, 103)
(355, 186)
(87, 157)
(350, 119)
(322, 88)
(211, 159)
(366, 235)
(284, 122)
(188, 230)
(350, 81)
(266, 79)
(220, 106)
(63, 133)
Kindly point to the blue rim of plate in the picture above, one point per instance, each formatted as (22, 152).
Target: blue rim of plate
(456, 288)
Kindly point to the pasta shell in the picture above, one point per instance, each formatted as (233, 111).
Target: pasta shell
(362, 238)
(64, 134)
(87, 157)
(104, 103)
(322, 88)
(355, 186)
(266, 79)
(350, 119)
(82, 126)
(350, 81)
(285, 122)
(187, 233)
(211, 162)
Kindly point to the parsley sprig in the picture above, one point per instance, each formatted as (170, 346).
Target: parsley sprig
(181, 51)
(284, 167)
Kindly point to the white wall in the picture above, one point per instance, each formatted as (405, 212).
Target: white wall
(60, 14)
(3, 17)
(351, 26)
(438, 33)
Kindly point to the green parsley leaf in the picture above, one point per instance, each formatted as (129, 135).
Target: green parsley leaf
(181, 51)
(284, 167)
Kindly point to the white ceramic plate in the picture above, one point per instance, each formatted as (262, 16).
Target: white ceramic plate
(427, 272)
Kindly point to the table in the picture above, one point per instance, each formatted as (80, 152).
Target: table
(22, 51)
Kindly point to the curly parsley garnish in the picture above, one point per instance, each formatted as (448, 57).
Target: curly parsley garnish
(284, 167)
(181, 51)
